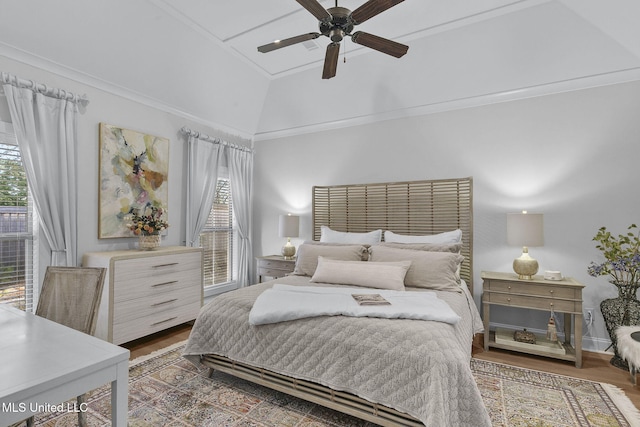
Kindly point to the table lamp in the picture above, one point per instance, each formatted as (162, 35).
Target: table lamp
(288, 227)
(525, 229)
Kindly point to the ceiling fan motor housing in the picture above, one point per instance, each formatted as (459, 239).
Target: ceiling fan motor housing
(341, 24)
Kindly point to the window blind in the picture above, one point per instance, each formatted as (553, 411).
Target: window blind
(18, 247)
(217, 237)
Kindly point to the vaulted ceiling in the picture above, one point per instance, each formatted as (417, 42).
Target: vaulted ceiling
(199, 58)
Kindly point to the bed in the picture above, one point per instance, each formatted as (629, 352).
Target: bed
(388, 371)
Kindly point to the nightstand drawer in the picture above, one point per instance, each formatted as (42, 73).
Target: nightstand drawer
(550, 291)
(272, 272)
(274, 266)
(515, 300)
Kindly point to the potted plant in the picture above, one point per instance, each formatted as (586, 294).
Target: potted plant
(147, 225)
(622, 266)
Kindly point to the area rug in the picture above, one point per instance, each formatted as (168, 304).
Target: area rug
(167, 390)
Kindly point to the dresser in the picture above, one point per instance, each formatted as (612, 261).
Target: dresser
(147, 291)
(274, 266)
(562, 296)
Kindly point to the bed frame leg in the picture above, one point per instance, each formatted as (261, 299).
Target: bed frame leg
(210, 373)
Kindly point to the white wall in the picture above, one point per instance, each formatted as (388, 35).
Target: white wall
(572, 156)
(119, 111)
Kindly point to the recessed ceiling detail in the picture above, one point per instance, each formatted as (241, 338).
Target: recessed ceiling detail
(189, 58)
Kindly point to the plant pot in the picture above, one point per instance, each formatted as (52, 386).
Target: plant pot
(621, 311)
(148, 243)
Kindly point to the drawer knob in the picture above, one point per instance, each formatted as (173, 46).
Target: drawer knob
(509, 299)
(551, 291)
(509, 287)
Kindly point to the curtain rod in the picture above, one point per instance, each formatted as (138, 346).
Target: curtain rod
(213, 140)
(7, 78)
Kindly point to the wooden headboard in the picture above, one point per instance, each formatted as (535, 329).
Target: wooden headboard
(412, 207)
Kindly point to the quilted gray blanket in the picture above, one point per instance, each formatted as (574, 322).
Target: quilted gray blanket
(418, 367)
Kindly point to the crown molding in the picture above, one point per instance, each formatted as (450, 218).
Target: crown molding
(61, 70)
(568, 85)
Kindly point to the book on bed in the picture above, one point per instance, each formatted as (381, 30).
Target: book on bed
(370, 299)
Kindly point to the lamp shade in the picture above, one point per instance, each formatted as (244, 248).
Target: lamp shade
(289, 226)
(525, 229)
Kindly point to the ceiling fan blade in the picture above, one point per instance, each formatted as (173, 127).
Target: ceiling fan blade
(287, 42)
(316, 9)
(371, 9)
(380, 44)
(331, 60)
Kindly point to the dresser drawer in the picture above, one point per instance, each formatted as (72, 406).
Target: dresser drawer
(154, 320)
(142, 269)
(515, 300)
(549, 291)
(156, 281)
(127, 311)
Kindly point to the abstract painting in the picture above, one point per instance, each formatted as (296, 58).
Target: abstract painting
(134, 169)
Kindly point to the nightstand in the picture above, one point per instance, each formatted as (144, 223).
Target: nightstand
(563, 296)
(274, 266)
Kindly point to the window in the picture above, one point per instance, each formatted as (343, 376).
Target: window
(18, 226)
(217, 239)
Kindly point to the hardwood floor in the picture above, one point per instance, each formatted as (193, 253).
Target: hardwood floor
(151, 343)
(595, 366)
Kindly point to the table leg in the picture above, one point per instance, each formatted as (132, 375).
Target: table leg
(485, 321)
(567, 328)
(120, 395)
(577, 339)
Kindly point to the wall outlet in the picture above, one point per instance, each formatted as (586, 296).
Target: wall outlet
(588, 316)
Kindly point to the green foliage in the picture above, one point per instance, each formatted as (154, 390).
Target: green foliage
(13, 180)
(621, 254)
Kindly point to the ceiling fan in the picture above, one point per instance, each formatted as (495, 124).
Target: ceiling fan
(338, 22)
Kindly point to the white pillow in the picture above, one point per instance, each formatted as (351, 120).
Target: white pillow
(328, 235)
(454, 236)
(380, 275)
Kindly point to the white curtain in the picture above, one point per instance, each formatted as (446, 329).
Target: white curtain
(207, 155)
(240, 163)
(204, 160)
(44, 121)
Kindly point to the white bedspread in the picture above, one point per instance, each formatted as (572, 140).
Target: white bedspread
(285, 302)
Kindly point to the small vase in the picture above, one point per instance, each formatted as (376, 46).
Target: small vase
(147, 243)
(621, 311)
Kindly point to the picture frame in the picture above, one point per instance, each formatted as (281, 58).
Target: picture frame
(133, 175)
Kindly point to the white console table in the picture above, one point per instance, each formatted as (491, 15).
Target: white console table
(44, 363)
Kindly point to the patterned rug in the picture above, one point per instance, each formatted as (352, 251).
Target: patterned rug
(167, 390)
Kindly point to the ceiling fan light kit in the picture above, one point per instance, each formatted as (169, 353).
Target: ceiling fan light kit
(338, 22)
